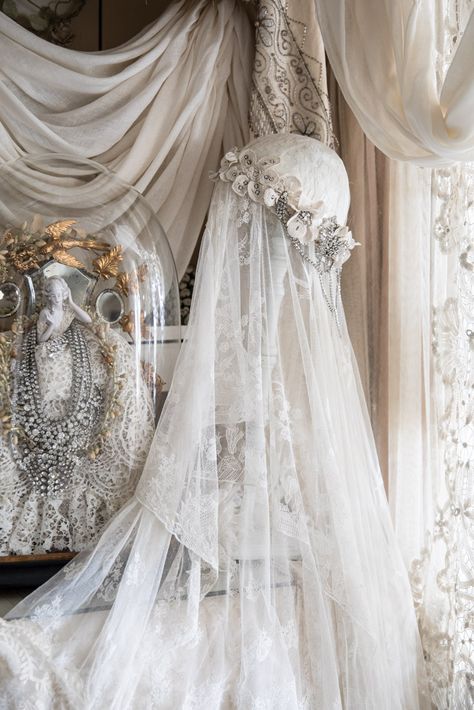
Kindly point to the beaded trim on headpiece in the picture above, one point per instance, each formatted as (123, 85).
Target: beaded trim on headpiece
(257, 178)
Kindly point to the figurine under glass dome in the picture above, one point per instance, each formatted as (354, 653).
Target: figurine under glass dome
(89, 331)
(84, 317)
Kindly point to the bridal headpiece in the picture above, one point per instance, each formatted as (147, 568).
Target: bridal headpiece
(306, 226)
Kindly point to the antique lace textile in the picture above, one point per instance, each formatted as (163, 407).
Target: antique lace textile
(72, 516)
(443, 573)
(425, 219)
(195, 60)
(289, 91)
(256, 565)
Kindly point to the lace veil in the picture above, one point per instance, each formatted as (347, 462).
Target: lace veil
(256, 565)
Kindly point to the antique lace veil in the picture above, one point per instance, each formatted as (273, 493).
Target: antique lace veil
(256, 565)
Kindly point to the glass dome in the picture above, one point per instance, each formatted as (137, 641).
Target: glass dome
(89, 334)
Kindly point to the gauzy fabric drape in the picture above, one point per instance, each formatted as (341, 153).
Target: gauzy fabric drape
(158, 110)
(256, 567)
(382, 53)
(416, 227)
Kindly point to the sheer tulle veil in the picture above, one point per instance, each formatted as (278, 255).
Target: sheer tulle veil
(256, 565)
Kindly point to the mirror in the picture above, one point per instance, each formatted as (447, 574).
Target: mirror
(109, 306)
(10, 298)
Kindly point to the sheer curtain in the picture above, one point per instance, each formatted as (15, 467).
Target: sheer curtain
(415, 106)
(391, 84)
(158, 110)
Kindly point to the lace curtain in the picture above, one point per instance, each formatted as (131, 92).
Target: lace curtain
(195, 60)
(412, 294)
(443, 574)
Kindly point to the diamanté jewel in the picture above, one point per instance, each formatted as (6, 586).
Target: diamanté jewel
(318, 238)
(47, 450)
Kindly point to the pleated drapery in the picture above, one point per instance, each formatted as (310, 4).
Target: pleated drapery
(159, 110)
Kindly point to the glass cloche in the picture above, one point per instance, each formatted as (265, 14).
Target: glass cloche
(89, 333)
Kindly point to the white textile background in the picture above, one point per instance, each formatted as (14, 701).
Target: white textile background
(159, 110)
(410, 84)
(384, 57)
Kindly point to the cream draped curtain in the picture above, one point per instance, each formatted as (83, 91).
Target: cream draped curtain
(406, 71)
(383, 55)
(159, 110)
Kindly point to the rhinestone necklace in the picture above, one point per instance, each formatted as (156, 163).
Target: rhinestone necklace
(331, 295)
(49, 449)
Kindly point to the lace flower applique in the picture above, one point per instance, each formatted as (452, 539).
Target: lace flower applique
(259, 180)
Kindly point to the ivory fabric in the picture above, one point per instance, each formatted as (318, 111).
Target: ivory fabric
(416, 227)
(158, 110)
(383, 55)
(289, 83)
(256, 567)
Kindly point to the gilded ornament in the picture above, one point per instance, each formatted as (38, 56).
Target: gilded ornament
(107, 265)
(123, 283)
(57, 229)
(63, 257)
(152, 378)
(28, 249)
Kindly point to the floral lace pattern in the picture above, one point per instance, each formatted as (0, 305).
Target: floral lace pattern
(443, 576)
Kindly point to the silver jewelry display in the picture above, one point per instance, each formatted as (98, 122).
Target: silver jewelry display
(48, 449)
(326, 250)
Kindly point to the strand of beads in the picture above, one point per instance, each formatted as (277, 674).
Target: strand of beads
(49, 449)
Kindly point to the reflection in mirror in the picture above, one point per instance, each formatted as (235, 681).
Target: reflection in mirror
(80, 283)
(10, 298)
(109, 306)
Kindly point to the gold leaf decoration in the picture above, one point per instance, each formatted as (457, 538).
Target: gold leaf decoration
(64, 257)
(152, 378)
(24, 259)
(57, 229)
(142, 272)
(127, 324)
(83, 244)
(122, 283)
(107, 265)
